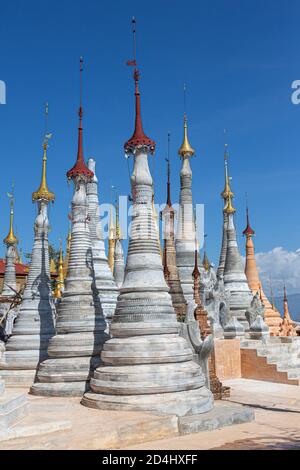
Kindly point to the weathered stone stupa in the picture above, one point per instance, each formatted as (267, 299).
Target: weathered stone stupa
(169, 254)
(74, 350)
(34, 327)
(11, 241)
(235, 280)
(105, 284)
(119, 264)
(147, 365)
(186, 224)
(272, 317)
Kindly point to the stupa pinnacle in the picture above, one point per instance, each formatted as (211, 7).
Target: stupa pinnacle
(147, 365)
(272, 317)
(34, 326)
(74, 350)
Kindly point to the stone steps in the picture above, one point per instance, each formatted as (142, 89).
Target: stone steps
(275, 360)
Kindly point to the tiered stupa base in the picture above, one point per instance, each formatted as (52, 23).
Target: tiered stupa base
(190, 402)
(68, 376)
(167, 382)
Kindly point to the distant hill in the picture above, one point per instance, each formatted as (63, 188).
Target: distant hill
(294, 305)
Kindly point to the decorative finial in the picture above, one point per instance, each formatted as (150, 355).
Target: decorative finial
(139, 138)
(80, 169)
(11, 239)
(227, 190)
(248, 232)
(43, 193)
(186, 149)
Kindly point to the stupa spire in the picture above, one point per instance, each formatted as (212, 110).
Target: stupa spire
(185, 149)
(80, 168)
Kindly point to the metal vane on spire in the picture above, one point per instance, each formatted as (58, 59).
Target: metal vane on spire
(80, 168)
(186, 149)
(43, 193)
(138, 139)
(11, 239)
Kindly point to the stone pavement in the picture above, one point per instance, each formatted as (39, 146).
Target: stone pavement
(277, 424)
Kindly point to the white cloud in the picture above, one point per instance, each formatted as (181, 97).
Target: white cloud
(283, 266)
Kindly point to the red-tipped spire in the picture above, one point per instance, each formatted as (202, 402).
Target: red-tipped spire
(138, 139)
(249, 232)
(80, 168)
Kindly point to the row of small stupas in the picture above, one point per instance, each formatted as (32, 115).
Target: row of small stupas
(146, 360)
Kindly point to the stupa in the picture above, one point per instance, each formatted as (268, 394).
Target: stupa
(235, 280)
(34, 326)
(105, 284)
(74, 351)
(147, 365)
(287, 327)
(272, 317)
(169, 254)
(186, 225)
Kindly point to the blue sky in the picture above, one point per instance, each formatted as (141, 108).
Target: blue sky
(238, 59)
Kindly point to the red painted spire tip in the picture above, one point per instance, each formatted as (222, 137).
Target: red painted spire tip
(248, 230)
(80, 168)
(138, 139)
